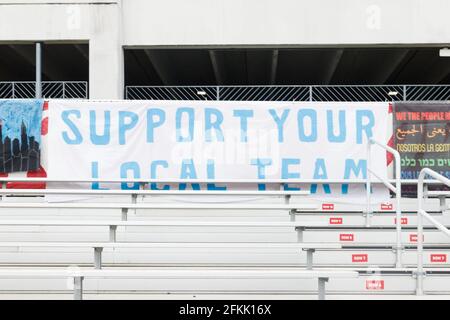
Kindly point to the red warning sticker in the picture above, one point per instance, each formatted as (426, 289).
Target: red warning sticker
(336, 220)
(364, 257)
(402, 220)
(386, 206)
(438, 258)
(346, 237)
(375, 284)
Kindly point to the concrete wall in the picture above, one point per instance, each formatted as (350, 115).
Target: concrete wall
(111, 25)
(99, 24)
(286, 22)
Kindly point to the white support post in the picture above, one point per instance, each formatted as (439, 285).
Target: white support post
(321, 289)
(78, 288)
(292, 215)
(442, 205)
(98, 257)
(124, 214)
(112, 233)
(142, 187)
(64, 90)
(287, 199)
(309, 258)
(398, 210)
(134, 200)
(300, 234)
(419, 272)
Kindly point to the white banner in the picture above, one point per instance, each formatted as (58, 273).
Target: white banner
(215, 140)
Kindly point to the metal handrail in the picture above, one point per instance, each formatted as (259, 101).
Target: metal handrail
(410, 92)
(397, 189)
(422, 213)
(50, 89)
(33, 82)
(204, 181)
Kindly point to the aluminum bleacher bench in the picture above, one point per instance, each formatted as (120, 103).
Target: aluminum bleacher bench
(135, 193)
(298, 226)
(441, 195)
(157, 206)
(150, 192)
(99, 246)
(184, 206)
(79, 275)
(124, 207)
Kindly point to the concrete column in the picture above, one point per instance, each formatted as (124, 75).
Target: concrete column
(106, 61)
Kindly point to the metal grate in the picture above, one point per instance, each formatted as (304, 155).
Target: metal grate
(428, 93)
(357, 93)
(50, 90)
(291, 93)
(171, 93)
(270, 93)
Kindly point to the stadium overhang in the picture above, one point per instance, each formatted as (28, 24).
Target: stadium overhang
(286, 65)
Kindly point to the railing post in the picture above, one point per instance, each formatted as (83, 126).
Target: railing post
(217, 93)
(368, 184)
(397, 190)
(398, 211)
(310, 93)
(420, 214)
(419, 288)
(404, 93)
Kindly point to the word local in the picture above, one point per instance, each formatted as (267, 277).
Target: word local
(353, 168)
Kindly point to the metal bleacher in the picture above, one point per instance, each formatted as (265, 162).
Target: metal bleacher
(149, 242)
